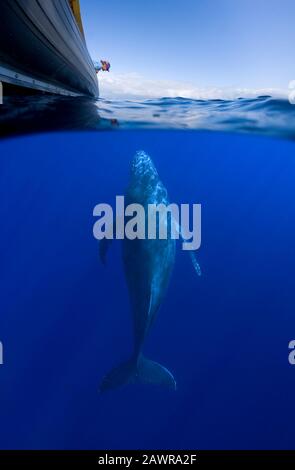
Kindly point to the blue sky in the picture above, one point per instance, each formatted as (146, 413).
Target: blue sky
(208, 43)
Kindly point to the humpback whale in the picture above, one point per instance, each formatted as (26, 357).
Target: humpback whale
(147, 264)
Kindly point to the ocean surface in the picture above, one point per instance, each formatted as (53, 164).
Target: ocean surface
(65, 318)
(261, 115)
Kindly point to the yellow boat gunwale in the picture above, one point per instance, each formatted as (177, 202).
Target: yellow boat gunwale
(75, 6)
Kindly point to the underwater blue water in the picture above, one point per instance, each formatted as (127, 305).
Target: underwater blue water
(65, 318)
(261, 115)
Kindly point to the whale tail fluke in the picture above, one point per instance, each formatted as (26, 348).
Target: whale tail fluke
(141, 370)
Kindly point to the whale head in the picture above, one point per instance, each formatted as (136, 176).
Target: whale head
(145, 183)
(143, 171)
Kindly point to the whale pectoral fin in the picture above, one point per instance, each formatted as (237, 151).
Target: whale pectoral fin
(196, 265)
(104, 245)
(192, 254)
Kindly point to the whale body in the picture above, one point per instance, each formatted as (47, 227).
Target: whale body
(147, 264)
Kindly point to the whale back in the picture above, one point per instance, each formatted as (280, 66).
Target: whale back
(148, 263)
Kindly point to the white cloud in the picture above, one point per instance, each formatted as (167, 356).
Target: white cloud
(134, 86)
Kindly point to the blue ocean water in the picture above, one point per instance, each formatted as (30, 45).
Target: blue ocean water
(65, 318)
(260, 115)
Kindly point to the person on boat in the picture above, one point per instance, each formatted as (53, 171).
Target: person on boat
(103, 66)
